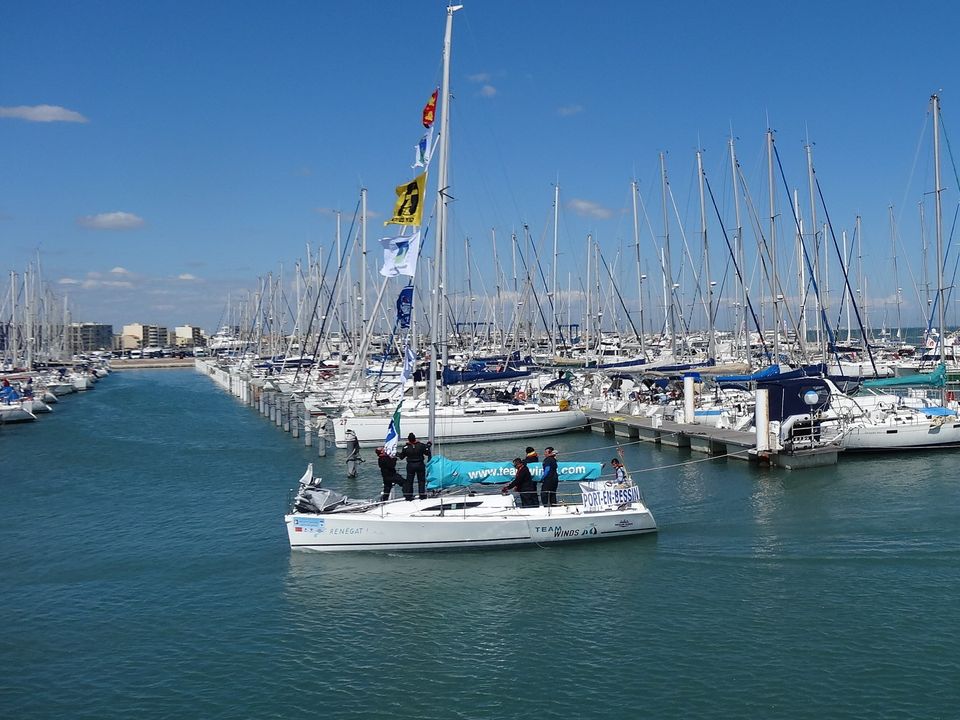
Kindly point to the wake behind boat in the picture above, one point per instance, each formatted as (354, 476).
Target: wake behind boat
(467, 515)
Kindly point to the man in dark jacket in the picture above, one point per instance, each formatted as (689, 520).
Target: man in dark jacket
(550, 478)
(524, 485)
(388, 469)
(416, 454)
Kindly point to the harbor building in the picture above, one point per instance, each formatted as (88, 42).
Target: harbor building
(86, 337)
(138, 336)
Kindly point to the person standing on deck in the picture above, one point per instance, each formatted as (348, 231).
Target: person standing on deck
(620, 470)
(388, 470)
(416, 454)
(550, 479)
(524, 485)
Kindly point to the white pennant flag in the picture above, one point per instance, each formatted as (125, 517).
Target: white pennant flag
(400, 255)
(408, 360)
(424, 150)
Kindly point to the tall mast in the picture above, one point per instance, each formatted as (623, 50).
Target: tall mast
(667, 270)
(363, 262)
(846, 273)
(774, 282)
(553, 289)
(821, 331)
(741, 315)
(437, 332)
(636, 242)
(801, 270)
(861, 285)
(941, 311)
(712, 337)
(896, 272)
(589, 316)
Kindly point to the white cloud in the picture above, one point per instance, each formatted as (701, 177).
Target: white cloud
(568, 110)
(186, 276)
(586, 208)
(488, 91)
(42, 113)
(120, 271)
(112, 221)
(68, 281)
(479, 77)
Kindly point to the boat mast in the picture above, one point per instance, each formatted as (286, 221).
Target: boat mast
(363, 262)
(742, 291)
(774, 282)
(712, 337)
(636, 244)
(846, 272)
(553, 293)
(941, 311)
(821, 330)
(667, 270)
(896, 272)
(440, 261)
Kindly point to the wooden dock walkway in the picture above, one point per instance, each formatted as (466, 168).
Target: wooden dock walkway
(735, 444)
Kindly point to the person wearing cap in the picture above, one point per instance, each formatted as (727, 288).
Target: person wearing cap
(550, 479)
(416, 454)
(388, 470)
(524, 485)
(531, 456)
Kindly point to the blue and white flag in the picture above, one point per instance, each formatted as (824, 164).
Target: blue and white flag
(424, 150)
(400, 255)
(393, 433)
(408, 362)
(405, 306)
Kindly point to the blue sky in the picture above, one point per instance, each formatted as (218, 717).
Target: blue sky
(190, 147)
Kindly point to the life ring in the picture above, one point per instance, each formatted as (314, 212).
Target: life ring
(951, 396)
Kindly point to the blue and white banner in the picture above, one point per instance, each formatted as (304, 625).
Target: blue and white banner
(443, 472)
(606, 495)
(405, 306)
(409, 359)
(400, 255)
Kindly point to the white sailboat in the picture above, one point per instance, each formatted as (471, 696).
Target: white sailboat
(462, 516)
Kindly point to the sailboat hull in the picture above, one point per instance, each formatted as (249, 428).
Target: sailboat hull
(474, 423)
(418, 525)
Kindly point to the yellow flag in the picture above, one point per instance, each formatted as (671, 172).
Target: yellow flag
(409, 207)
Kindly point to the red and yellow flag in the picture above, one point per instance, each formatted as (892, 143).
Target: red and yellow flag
(430, 109)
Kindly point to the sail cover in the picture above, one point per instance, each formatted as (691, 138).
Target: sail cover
(937, 378)
(443, 472)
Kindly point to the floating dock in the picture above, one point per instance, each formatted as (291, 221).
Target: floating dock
(709, 440)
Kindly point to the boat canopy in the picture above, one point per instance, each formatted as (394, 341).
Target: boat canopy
(767, 372)
(795, 396)
(443, 472)
(937, 378)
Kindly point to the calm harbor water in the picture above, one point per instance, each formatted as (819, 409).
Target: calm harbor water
(146, 573)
